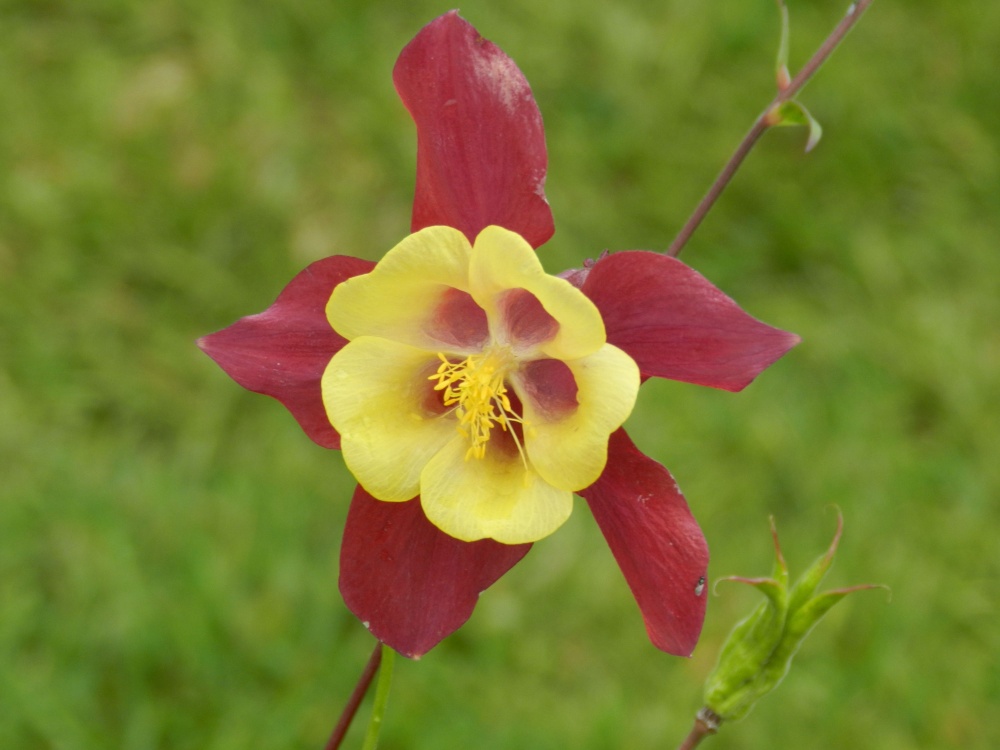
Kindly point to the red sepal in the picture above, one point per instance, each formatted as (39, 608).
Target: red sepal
(656, 541)
(676, 324)
(481, 155)
(283, 351)
(407, 581)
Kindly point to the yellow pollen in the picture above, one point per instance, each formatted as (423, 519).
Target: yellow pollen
(475, 387)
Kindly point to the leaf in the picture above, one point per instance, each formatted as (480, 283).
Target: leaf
(793, 113)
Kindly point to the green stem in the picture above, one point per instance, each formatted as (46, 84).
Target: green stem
(763, 122)
(381, 698)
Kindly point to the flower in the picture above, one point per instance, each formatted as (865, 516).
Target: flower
(475, 380)
(458, 370)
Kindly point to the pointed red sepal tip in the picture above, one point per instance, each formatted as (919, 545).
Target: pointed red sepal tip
(676, 324)
(283, 351)
(656, 541)
(408, 582)
(481, 156)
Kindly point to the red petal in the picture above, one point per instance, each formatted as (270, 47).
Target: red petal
(283, 351)
(676, 324)
(656, 542)
(481, 156)
(409, 582)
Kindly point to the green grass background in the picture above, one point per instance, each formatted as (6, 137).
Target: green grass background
(169, 542)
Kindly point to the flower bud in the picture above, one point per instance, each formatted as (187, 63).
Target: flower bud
(758, 653)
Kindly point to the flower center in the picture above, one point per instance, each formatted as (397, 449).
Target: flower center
(475, 387)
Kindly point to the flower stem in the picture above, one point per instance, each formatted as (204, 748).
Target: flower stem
(364, 682)
(698, 733)
(705, 723)
(764, 121)
(381, 699)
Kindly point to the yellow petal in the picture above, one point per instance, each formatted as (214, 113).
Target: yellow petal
(378, 397)
(494, 497)
(401, 299)
(503, 261)
(569, 448)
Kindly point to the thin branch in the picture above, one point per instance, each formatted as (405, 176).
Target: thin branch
(825, 50)
(364, 682)
(746, 145)
(764, 122)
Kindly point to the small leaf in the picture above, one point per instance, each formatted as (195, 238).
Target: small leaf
(793, 113)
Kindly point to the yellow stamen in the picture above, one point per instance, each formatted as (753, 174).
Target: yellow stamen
(475, 387)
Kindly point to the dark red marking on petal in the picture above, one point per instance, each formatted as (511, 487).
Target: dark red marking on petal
(409, 582)
(433, 399)
(656, 541)
(283, 351)
(526, 322)
(676, 324)
(459, 321)
(481, 155)
(551, 387)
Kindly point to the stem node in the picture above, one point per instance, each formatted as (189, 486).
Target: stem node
(764, 121)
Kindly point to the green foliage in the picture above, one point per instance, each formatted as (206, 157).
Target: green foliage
(168, 543)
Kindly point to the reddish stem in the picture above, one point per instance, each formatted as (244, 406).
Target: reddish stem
(698, 733)
(763, 123)
(364, 682)
(705, 723)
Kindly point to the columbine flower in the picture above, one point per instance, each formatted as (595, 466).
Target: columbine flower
(471, 393)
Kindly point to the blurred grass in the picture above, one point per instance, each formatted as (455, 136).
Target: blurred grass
(168, 543)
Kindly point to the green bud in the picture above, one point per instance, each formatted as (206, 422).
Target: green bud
(758, 653)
